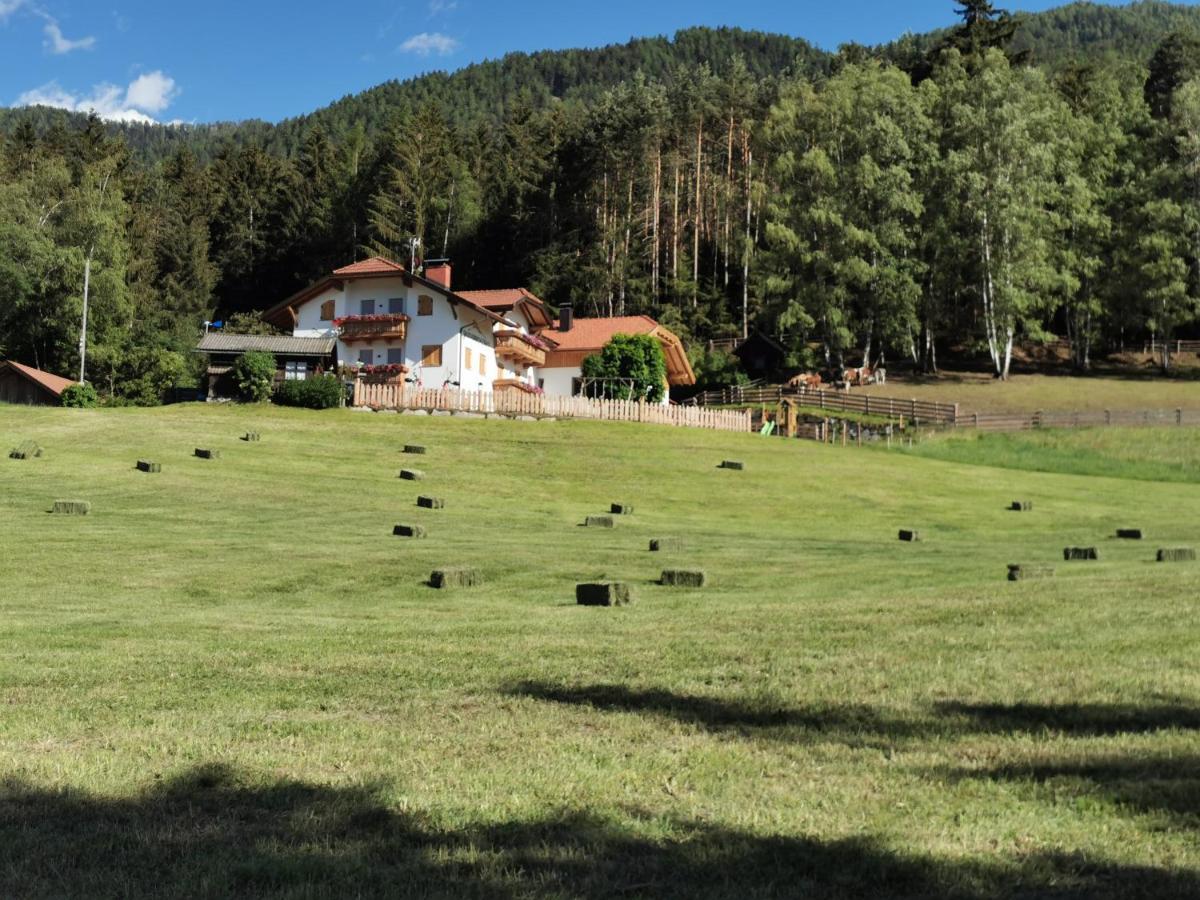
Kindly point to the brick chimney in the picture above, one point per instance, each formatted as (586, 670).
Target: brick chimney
(566, 317)
(438, 271)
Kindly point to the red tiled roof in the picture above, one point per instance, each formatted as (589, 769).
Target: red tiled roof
(376, 265)
(55, 384)
(593, 334)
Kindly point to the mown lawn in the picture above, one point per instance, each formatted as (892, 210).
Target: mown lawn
(230, 679)
(975, 392)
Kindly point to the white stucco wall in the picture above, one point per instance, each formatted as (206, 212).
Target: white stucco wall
(441, 327)
(558, 381)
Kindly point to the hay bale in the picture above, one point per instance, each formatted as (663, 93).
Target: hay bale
(732, 464)
(431, 503)
(1177, 554)
(144, 465)
(1129, 534)
(604, 594)
(208, 454)
(412, 474)
(598, 521)
(461, 576)
(25, 450)
(415, 449)
(666, 545)
(251, 436)
(410, 531)
(1027, 573)
(1021, 506)
(909, 536)
(1080, 553)
(683, 578)
(621, 509)
(71, 508)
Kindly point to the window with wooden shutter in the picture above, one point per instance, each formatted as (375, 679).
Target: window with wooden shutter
(482, 364)
(327, 311)
(366, 357)
(366, 307)
(467, 359)
(424, 305)
(396, 306)
(431, 355)
(395, 356)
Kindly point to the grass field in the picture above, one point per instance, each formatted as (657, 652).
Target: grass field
(230, 678)
(975, 392)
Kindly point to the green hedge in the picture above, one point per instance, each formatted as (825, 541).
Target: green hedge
(321, 392)
(79, 396)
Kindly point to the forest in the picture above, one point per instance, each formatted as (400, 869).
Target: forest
(1008, 179)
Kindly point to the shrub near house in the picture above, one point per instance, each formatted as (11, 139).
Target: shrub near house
(320, 392)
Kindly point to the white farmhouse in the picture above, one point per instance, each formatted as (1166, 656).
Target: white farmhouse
(397, 325)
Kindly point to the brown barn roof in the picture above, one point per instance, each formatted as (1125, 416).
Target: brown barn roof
(588, 336)
(219, 342)
(55, 384)
(504, 299)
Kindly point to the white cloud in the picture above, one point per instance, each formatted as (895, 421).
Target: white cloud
(8, 7)
(437, 7)
(149, 93)
(58, 45)
(152, 92)
(427, 43)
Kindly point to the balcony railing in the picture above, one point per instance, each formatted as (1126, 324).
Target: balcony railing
(373, 328)
(518, 348)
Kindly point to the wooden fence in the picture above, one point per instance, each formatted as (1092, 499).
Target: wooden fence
(1093, 419)
(920, 412)
(519, 403)
(1176, 346)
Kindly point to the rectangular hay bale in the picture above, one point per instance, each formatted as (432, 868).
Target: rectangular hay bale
(145, 465)
(1080, 553)
(598, 521)
(1177, 554)
(431, 503)
(416, 449)
(909, 536)
(1129, 534)
(25, 450)
(1027, 573)
(410, 531)
(604, 594)
(621, 509)
(683, 578)
(251, 436)
(1021, 506)
(666, 545)
(208, 454)
(412, 474)
(732, 464)
(459, 576)
(71, 507)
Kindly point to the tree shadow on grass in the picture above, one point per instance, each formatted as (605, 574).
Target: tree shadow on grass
(867, 725)
(1076, 719)
(212, 833)
(1165, 785)
(860, 722)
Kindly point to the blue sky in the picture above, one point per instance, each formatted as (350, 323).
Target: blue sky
(210, 60)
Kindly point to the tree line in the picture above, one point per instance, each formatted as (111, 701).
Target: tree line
(875, 208)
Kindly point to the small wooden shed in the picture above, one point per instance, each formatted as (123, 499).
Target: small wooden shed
(30, 386)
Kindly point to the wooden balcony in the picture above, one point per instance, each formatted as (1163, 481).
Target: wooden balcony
(515, 347)
(374, 328)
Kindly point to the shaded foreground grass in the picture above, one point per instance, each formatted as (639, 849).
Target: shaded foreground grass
(230, 679)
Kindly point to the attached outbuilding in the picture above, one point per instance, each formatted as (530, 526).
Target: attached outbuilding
(30, 386)
(296, 358)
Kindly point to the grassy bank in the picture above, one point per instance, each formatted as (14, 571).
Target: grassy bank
(231, 679)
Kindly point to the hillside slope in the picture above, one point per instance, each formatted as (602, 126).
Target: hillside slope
(231, 679)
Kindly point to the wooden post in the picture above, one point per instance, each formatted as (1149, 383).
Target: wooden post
(975, 416)
(1178, 416)
(1108, 417)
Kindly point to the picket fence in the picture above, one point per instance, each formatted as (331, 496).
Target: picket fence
(519, 403)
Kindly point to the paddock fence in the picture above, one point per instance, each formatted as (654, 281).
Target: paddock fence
(515, 404)
(1087, 419)
(919, 412)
